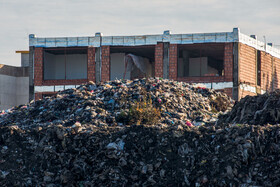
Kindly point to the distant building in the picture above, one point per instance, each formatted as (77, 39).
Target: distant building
(14, 83)
(232, 62)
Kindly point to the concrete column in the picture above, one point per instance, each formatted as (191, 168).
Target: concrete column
(236, 71)
(165, 60)
(98, 64)
(98, 55)
(31, 73)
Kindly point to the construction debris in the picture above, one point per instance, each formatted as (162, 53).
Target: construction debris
(259, 110)
(117, 103)
(88, 137)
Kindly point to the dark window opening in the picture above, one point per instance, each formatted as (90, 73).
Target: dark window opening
(132, 62)
(65, 63)
(258, 68)
(198, 60)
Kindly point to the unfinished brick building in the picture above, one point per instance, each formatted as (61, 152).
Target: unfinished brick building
(235, 63)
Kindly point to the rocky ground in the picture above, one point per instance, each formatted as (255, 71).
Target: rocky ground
(147, 132)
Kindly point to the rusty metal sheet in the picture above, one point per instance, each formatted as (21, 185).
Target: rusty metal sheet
(129, 40)
(140, 40)
(107, 40)
(176, 39)
(72, 41)
(61, 42)
(187, 38)
(118, 40)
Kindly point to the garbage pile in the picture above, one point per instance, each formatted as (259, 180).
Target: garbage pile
(140, 155)
(117, 103)
(88, 137)
(258, 110)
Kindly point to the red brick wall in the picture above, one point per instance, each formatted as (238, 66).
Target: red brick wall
(276, 73)
(247, 64)
(266, 71)
(159, 60)
(38, 66)
(228, 68)
(270, 68)
(63, 82)
(227, 91)
(173, 57)
(91, 64)
(40, 95)
(105, 69)
(228, 62)
(247, 68)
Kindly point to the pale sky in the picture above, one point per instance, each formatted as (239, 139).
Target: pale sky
(59, 18)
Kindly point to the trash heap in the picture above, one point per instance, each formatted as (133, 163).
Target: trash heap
(119, 102)
(258, 110)
(87, 137)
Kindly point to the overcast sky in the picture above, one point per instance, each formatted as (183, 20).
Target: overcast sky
(58, 18)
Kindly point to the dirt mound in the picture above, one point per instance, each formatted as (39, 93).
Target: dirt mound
(258, 110)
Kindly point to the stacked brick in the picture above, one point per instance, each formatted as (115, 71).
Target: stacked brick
(159, 60)
(38, 66)
(228, 62)
(247, 69)
(91, 64)
(173, 56)
(266, 71)
(276, 70)
(105, 69)
(247, 64)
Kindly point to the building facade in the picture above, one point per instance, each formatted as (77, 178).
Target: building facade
(232, 62)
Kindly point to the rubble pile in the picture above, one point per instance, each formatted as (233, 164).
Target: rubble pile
(110, 103)
(258, 110)
(88, 137)
(140, 155)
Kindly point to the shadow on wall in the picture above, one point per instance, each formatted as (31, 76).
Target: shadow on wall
(273, 84)
(14, 71)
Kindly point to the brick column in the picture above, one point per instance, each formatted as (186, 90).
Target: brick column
(159, 60)
(91, 64)
(105, 68)
(228, 62)
(38, 96)
(38, 66)
(173, 57)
